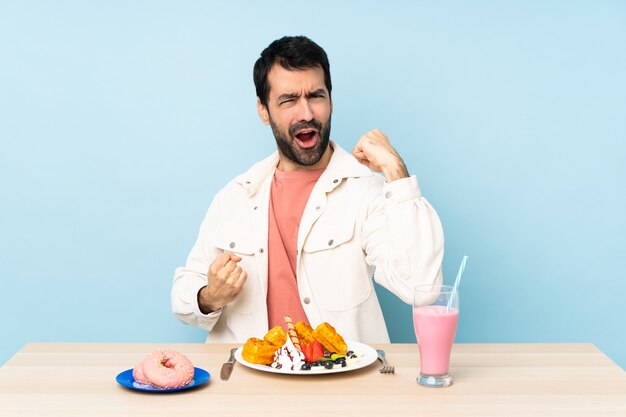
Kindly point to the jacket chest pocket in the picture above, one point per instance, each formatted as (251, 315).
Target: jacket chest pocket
(334, 265)
(239, 239)
(327, 235)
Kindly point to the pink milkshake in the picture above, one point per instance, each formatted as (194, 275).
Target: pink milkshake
(435, 330)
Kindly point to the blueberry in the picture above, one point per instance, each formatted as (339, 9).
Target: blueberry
(341, 361)
(305, 367)
(328, 364)
(352, 356)
(349, 353)
(316, 363)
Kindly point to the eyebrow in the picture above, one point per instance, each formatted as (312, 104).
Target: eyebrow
(287, 96)
(319, 91)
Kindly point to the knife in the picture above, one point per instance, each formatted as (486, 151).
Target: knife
(227, 367)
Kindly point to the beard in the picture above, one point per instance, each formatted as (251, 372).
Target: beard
(290, 149)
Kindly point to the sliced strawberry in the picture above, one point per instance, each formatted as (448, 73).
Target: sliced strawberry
(317, 351)
(307, 349)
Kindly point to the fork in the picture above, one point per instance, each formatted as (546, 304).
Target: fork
(386, 368)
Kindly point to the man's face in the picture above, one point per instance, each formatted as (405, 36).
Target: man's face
(299, 111)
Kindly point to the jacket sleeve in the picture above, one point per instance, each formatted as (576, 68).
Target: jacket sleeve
(188, 280)
(403, 238)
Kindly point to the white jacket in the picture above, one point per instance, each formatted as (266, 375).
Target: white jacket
(353, 224)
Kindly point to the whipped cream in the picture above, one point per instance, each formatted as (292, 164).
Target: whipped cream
(288, 357)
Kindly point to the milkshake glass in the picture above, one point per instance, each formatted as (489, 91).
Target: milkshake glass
(435, 327)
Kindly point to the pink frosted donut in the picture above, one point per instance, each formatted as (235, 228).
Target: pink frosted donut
(167, 369)
(138, 374)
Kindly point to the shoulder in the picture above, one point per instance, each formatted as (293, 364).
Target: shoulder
(249, 182)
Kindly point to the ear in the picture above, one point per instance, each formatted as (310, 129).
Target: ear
(264, 114)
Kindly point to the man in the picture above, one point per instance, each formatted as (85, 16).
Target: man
(303, 231)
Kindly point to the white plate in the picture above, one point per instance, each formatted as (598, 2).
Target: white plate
(369, 357)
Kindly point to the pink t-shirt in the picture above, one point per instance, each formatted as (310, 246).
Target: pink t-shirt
(288, 196)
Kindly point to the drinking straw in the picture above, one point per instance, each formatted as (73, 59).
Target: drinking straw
(457, 281)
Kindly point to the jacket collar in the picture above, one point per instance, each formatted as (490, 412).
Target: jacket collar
(342, 165)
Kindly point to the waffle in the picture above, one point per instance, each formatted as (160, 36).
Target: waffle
(262, 350)
(330, 339)
(305, 332)
(258, 351)
(276, 336)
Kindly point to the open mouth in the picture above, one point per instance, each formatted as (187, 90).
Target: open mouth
(306, 138)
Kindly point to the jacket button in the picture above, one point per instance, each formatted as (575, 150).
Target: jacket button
(330, 242)
(317, 207)
(261, 250)
(255, 207)
(232, 245)
(335, 181)
(388, 194)
(307, 300)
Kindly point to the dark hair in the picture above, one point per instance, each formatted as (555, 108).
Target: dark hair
(291, 52)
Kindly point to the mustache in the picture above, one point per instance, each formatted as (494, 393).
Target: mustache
(313, 124)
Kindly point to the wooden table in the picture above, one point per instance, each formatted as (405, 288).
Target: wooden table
(74, 379)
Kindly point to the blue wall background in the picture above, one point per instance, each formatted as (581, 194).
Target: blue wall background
(119, 120)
